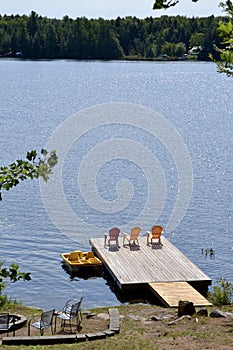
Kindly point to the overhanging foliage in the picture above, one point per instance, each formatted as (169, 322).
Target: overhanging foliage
(225, 64)
(30, 168)
(165, 4)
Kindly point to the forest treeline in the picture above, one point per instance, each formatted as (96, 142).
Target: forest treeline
(40, 37)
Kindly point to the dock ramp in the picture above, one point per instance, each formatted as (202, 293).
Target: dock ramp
(170, 293)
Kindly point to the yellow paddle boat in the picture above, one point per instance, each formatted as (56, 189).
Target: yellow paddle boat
(77, 261)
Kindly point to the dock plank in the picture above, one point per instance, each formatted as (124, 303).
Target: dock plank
(170, 293)
(148, 265)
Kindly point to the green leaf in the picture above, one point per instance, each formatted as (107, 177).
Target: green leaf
(44, 152)
(31, 156)
(225, 29)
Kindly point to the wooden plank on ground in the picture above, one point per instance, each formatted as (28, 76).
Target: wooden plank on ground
(170, 293)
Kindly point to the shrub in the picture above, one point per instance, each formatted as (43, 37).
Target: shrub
(222, 293)
(10, 275)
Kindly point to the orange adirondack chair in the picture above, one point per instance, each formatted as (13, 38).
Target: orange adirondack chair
(133, 237)
(155, 234)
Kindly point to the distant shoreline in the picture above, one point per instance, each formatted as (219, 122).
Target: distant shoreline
(135, 59)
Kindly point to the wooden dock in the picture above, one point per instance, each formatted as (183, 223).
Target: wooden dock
(154, 268)
(170, 293)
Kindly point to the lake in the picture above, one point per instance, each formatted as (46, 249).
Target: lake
(135, 140)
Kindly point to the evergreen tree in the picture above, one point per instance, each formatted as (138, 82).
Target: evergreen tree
(41, 37)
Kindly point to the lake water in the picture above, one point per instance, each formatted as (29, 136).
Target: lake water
(193, 101)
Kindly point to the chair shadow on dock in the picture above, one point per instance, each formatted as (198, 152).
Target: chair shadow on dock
(132, 247)
(156, 246)
(113, 248)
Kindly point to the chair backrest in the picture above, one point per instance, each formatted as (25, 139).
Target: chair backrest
(114, 233)
(90, 255)
(156, 231)
(4, 321)
(74, 256)
(79, 253)
(135, 232)
(75, 308)
(71, 307)
(47, 318)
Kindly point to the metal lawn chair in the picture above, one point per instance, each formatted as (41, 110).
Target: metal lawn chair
(71, 311)
(46, 321)
(7, 323)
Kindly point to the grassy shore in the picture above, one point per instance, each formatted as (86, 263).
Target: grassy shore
(143, 327)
